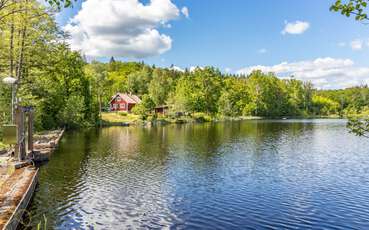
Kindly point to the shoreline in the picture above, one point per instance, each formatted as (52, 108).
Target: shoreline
(186, 120)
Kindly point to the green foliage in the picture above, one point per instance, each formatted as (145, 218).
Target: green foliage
(234, 97)
(145, 107)
(351, 100)
(71, 114)
(61, 3)
(207, 91)
(160, 86)
(198, 92)
(351, 7)
(268, 96)
(50, 75)
(324, 106)
(201, 117)
(137, 82)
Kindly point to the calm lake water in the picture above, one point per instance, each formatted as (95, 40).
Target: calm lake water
(289, 174)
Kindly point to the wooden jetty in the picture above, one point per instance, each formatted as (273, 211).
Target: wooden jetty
(15, 195)
(45, 144)
(18, 179)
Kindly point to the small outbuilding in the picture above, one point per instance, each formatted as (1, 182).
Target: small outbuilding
(162, 109)
(124, 102)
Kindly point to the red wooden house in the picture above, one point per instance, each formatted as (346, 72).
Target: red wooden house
(123, 102)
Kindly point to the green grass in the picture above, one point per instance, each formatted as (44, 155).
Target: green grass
(119, 117)
(3, 146)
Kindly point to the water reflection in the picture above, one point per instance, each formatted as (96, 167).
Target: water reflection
(257, 174)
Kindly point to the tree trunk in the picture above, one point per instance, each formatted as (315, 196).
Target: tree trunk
(11, 48)
(100, 109)
(22, 43)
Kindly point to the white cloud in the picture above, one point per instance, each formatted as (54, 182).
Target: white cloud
(324, 73)
(228, 70)
(297, 27)
(176, 68)
(357, 44)
(185, 12)
(125, 28)
(262, 51)
(194, 68)
(341, 44)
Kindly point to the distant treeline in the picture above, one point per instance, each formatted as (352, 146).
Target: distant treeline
(209, 91)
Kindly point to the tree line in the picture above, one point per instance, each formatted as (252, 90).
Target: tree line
(207, 90)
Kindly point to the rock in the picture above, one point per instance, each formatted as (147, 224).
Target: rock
(40, 156)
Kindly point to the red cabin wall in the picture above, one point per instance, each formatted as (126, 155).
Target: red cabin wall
(121, 105)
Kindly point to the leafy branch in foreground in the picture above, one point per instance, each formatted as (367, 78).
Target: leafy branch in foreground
(351, 7)
(61, 3)
(359, 126)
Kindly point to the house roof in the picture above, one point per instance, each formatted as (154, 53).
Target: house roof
(129, 98)
(162, 107)
(135, 98)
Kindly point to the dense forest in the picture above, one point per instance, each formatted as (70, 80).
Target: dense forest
(65, 90)
(209, 91)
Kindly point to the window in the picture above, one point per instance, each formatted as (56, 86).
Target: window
(118, 99)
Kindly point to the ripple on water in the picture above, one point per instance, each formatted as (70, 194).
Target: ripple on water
(256, 174)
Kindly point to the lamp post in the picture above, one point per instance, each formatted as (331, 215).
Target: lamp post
(11, 81)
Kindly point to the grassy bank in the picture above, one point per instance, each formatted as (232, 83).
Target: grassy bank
(122, 118)
(119, 117)
(3, 146)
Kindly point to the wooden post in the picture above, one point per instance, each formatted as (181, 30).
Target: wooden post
(22, 155)
(17, 122)
(20, 148)
(30, 131)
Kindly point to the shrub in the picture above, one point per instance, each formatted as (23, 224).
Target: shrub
(123, 114)
(201, 117)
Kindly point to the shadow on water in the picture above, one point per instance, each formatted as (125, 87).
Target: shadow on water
(260, 174)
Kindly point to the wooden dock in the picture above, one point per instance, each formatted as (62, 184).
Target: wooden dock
(18, 180)
(45, 145)
(15, 195)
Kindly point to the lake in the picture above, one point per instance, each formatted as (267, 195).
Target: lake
(280, 174)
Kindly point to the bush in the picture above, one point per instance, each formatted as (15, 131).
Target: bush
(123, 114)
(201, 117)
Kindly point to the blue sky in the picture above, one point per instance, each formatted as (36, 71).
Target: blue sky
(232, 35)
